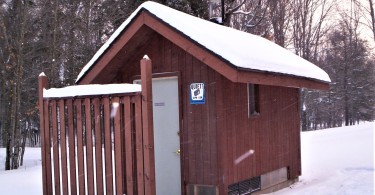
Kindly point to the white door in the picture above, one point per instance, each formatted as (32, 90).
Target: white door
(166, 135)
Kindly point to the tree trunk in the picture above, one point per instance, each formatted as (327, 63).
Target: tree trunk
(7, 155)
(372, 13)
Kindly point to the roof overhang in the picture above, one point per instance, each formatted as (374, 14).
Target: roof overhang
(218, 63)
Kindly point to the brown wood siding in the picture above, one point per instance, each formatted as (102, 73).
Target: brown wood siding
(213, 135)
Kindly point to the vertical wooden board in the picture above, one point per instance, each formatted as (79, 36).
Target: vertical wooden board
(236, 128)
(80, 153)
(42, 84)
(43, 147)
(258, 149)
(245, 139)
(55, 147)
(251, 127)
(174, 57)
(147, 127)
(108, 146)
(157, 60)
(295, 109)
(248, 126)
(275, 129)
(229, 107)
(278, 128)
(268, 132)
(204, 129)
(252, 134)
(296, 146)
(263, 133)
(212, 130)
(265, 101)
(298, 141)
(128, 152)
(64, 173)
(98, 147)
(189, 124)
(89, 147)
(288, 105)
(139, 145)
(257, 132)
(167, 56)
(118, 145)
(221, 137)
(197, 114)
(72, 146)
(182, 108)
(239, 121)
(47, 141)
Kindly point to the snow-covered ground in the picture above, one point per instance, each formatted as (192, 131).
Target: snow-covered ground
(334, 161)
(27, 179)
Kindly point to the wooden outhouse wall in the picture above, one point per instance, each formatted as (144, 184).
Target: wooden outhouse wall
(216, 133)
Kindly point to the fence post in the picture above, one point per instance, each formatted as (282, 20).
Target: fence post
(43, 84)
(147, 123)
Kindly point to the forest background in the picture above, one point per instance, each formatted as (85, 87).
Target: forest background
(59, 37)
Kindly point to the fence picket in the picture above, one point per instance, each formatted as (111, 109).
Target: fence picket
(116, 109)
(80, 152)
(89, 147)
(98, 147)
(64, 174)
(47, 141)
(108, 146)
(128, 145)
(72, 146)
(139, 146)
(55, 147)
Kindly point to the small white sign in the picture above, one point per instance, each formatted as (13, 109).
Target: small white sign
(197, 94)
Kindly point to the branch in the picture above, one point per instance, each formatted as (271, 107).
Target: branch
(232, 10)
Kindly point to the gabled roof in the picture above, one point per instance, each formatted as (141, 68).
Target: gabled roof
(240, 50)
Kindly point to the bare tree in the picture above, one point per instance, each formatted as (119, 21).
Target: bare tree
(372, 16)
(308, 28)
(14, 27)
(280, 18)
(244, 15)
(366, 10)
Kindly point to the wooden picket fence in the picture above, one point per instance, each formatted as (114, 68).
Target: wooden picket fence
(98, 144)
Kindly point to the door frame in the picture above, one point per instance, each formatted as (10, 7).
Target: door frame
(181, 122)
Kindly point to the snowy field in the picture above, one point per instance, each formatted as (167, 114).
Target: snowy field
(334, 161)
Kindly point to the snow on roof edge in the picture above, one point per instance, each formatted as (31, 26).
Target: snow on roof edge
(291, 64)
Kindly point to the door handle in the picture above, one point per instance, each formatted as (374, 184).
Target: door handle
(178, 152)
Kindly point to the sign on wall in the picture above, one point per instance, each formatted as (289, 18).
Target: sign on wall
(197, 94)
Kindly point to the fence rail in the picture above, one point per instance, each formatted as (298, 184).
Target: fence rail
(98, 144)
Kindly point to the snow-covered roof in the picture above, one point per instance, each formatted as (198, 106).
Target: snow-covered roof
(90, 90)
(243, 50)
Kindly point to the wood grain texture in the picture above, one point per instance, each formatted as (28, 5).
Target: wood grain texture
(64, 173)
(214, 134)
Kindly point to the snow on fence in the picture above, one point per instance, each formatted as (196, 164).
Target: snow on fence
(98, 143)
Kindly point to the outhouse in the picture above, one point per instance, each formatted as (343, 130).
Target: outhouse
(226, 104)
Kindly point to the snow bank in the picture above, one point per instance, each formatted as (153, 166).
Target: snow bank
(336, 161)
(25, 180)
(241, 49)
